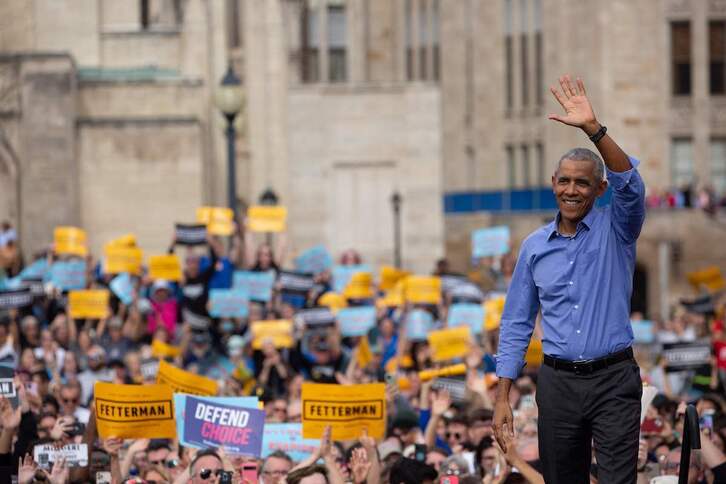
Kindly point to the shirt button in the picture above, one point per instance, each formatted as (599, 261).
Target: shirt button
(578, 331)
(576, 306)
(572, 262)
(571, 283)
(580, 356)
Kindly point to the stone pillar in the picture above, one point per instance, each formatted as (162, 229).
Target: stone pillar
(700, 96)
(47, 148)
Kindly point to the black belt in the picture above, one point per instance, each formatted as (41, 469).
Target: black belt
(587, 367)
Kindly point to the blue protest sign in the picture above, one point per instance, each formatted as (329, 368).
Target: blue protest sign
(356, 321)
(418, 324)
(122, 287)
(211, 423)
(463, 314)
(288, 438)
(180, 404)
(67, 275)
(342, 274)
(490, 241)
(314, 261)
(228, 303)
(35, 270)
(643, 332)
(258, 285)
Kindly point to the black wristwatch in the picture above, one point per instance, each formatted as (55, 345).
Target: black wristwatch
(599, 134)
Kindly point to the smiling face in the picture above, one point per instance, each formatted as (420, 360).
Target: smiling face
(576, 189)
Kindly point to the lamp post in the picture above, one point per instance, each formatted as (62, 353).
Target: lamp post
(229, 99)
(269, 197)
(396, 200)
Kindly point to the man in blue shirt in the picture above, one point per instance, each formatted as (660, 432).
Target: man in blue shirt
(578, 271)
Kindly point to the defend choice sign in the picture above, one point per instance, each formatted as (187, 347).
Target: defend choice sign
(347, 409)
(208, 423)
(185, 382)
(134, 411)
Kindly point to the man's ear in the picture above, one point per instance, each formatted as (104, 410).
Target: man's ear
(602, 188)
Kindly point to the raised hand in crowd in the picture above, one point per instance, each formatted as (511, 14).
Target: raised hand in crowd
(360, 465)
(26, 469)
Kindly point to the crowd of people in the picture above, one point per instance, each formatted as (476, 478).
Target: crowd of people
(438, 430)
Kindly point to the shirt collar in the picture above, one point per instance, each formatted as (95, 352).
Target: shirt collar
(586, 222)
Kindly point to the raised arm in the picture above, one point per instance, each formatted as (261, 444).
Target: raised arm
(628, 204)
(579, 113)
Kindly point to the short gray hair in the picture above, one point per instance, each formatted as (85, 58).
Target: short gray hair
(583, 154)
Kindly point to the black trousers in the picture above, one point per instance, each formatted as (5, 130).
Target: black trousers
(575, 410)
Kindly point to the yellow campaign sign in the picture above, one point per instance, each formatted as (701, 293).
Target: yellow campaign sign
(363, 354)
(165, 267)
(128, 240)
(493, 309)
(534, 353)
(389, 276)
(447, 344)
(161, 350)
(90, 304)
(134, 411)
(219, 220)
(359, 286)
(278, 331)
(422, 289)
(710, 277)
(122, 258)
(333, 300)
(348, 409)
(70, 240)
(185, 382)
(264, 218)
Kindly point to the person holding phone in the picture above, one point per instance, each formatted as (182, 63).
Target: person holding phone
(578, 270)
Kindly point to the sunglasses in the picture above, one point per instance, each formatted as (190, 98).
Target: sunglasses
(169, 464)
(455, 435)
(205, 474)
(70, 400)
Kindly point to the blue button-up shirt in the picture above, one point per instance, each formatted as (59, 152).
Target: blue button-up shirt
(582, 283)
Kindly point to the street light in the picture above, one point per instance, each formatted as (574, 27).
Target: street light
(268, 197)
(229, 99)
(396, 200)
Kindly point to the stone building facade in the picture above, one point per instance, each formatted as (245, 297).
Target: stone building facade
(107, 118)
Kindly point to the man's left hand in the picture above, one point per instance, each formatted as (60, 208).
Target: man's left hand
(578, 110)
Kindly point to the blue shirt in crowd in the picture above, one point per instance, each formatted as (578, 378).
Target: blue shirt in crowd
(582, 283)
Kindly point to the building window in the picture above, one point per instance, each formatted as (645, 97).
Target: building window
(511, 167)
(538, 54)
(681, 161)
(508, 53)
(681, 57)
(717, 56)
(422, 34)
(718, 165)
(310, 44)
(526, 178)
(524, 51)
(541, 165)
(336, 43)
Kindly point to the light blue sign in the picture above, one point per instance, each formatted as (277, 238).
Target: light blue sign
(343, 274)
(356, 321)
(228, 303)
(490, 241)
(314, 261)
(258, 285)
(67, 275)
(463, 314)
(418, 324)
(180, 403)
(643, 332)
(122, 287)
(288, 438)
(36, 270)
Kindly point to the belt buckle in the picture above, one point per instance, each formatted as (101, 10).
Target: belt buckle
(582, 367)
